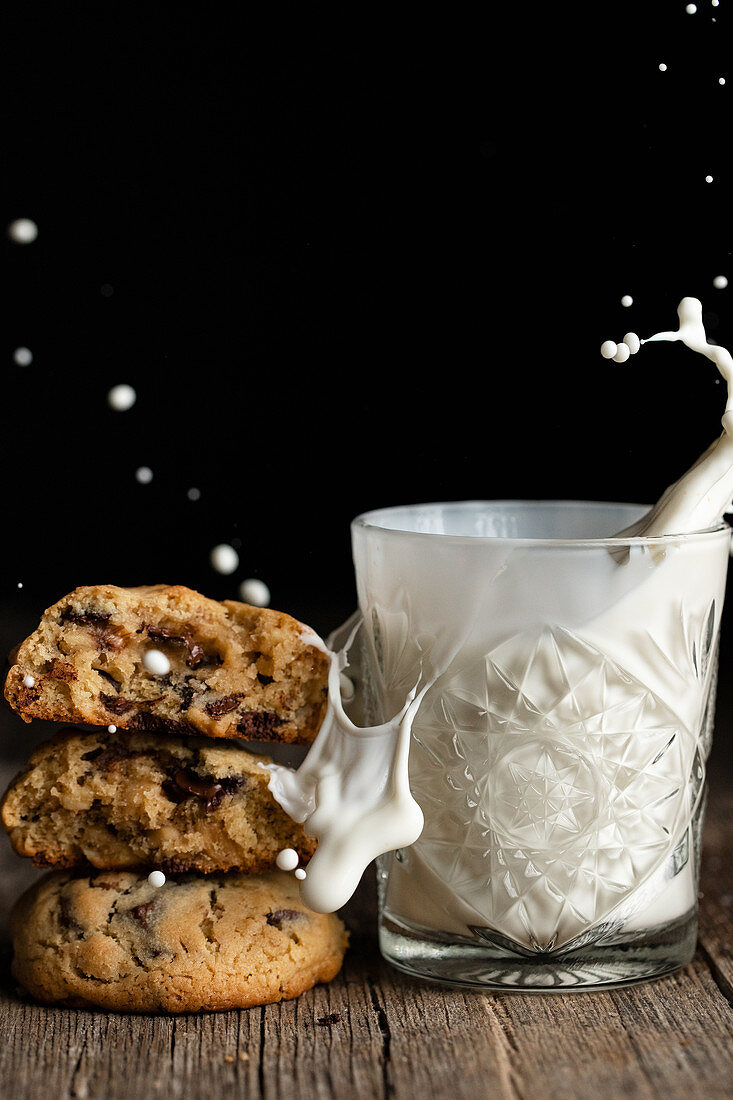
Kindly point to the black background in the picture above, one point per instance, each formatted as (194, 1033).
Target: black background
(345, 262)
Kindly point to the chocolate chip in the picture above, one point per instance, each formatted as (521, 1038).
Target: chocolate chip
(115, 706)
(28, 695)
(258, 724)
(84, 618)
(60, 670)
(184, 783)
(98, 622)
(230, 784)
(105, 756)
(281, 916)
(141, 913)
(196, 653)
(220, 707)
(66, 917)
(146, 722)
(188, 691)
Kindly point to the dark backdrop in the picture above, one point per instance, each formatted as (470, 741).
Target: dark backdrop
(345, 262)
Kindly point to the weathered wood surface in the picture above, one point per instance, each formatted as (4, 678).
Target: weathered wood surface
(375, 1033)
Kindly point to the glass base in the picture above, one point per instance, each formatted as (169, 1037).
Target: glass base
(641, 956)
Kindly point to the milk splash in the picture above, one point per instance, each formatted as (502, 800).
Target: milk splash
(352, 791)
(703, 494)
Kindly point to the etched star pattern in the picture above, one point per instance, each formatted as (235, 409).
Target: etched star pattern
(552, 787)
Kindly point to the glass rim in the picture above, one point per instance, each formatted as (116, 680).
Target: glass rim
(365, 521)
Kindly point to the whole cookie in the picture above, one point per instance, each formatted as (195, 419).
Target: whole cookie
(163, 658)
(195, 944)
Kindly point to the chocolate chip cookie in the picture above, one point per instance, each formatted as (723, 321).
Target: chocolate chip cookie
(131, 799)
(166, 659)
(115, 942)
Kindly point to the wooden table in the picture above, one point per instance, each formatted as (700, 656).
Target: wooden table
(373, 1032)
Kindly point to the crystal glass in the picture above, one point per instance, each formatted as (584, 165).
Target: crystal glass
(559, 755)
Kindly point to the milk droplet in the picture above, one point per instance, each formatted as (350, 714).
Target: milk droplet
(144, 475)
(255, 592)
(112, 729)
(156, 878)
(632, 341)
(721, 80)
(194, 494)
(627, 300)
(662, 68)
(287, 859)
(608, 349)
(29, 681)
(121, 398)
(23, 231)
(691, 9)
(299, 872)
(224, 558)
(708, 179)
(720, 282)
(23, 357)
(623, 351)
(20, 584)
(156, 662)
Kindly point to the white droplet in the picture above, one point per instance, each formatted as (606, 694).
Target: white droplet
(691, 9)
(23, 357)
(20, 584)
(608, 349)
(157, 879)
(224, 558)
(720, 282)
(23, 231)
(112, 729)
(29, 681)
(299, 872)
(121, 398)
(708, 179)
(156, 662)
(623, 351)
(144, 475)
(715, 3)
(255, 591)
(632, 341)
(627, 300)
(721, 80)
(288, 859)
(662, 68)
(194, 494)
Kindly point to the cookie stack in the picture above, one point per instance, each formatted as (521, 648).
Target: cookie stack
(164, 826)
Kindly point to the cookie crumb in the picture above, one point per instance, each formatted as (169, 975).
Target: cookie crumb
(328, 1021)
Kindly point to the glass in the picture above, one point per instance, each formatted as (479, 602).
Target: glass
(559, 756)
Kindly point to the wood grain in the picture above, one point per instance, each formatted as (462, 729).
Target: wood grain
(375, 1033)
